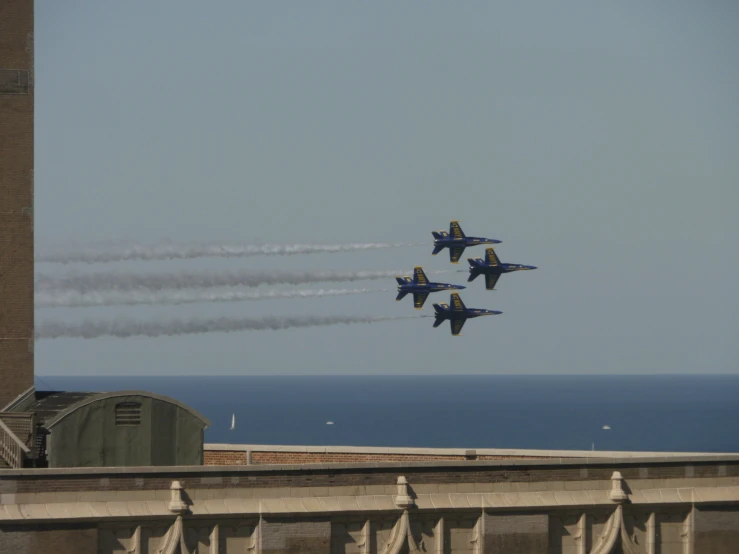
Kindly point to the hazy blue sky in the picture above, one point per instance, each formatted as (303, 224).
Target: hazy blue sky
(598, 140)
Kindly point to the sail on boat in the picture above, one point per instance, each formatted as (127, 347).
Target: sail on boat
(233, 422)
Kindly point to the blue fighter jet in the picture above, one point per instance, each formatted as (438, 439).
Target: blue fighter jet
(457, 314)
(456, 241)
(420, 287)
(492, 268)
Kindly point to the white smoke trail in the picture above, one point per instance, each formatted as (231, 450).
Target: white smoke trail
(184, 252)
(86, 283)
(131, 328)
(74, 299)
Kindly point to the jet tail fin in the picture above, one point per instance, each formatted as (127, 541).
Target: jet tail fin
(473, 276)
(403, 280)
(438, 321)
(436, 235)
(400, 296)
(437, 249)
(475, 263)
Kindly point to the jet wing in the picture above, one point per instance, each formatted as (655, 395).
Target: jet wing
(455, 230)
(419, 276)
(491, 257)
(456, 302)
(455, 252)
(419, 298)
(491, 280)
(456, 325)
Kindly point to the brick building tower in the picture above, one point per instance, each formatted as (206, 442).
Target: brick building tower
(16, 198)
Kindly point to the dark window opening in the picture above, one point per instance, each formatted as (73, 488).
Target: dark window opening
(14, 81)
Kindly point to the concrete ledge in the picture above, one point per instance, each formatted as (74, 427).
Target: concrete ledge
(403, 451)
(234, 491)
(334, 467)
(363, 504)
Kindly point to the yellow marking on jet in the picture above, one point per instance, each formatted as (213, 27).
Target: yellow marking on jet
(455, 229)
(492, 258)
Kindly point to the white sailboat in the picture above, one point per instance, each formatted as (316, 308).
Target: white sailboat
(233, 422)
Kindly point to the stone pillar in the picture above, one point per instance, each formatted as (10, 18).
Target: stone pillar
(176, 503)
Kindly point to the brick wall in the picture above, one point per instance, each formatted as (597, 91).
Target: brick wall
(232, 457)
(223, 458)
(16, 198)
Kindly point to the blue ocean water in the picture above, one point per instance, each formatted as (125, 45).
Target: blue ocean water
(648, 413)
